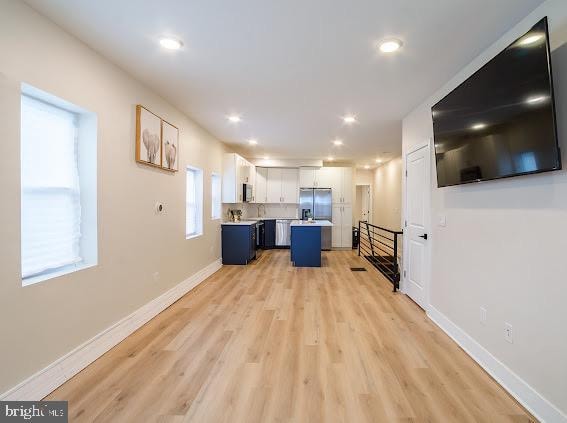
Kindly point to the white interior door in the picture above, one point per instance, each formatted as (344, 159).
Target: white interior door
(365, 203)
(274, 185)
(416, 282)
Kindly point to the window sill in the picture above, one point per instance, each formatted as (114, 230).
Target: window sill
(32, 280)
(193, 236)
(215, 218)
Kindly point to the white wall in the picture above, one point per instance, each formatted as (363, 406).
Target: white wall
(40, 323)
(387, 195)
(363, 176)
(505, 243)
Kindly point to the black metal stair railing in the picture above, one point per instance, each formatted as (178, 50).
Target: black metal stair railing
(380, 247)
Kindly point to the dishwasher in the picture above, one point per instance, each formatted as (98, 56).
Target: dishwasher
(283, 233)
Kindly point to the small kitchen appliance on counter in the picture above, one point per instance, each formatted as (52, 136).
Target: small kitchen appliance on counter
(234, 215)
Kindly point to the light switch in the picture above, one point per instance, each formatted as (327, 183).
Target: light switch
(442, 220)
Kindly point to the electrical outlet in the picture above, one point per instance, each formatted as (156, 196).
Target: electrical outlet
(441, 220)
(508, 333)
(156, 276)
(483, 316)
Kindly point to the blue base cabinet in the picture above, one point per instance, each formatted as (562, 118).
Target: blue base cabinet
(238, 244)
(269, 233)
(306, 246)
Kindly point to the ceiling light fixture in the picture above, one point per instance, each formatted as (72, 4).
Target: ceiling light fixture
(478, 126)
(536, 99)
(390, 45)
(170, 43)
(528, 40)
(378, 160)
(234, 118)
(349, 119)
(252, 142)
(330, 158)
(338, 143)
(366, 167)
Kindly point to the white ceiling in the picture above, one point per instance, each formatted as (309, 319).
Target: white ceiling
(292, 68)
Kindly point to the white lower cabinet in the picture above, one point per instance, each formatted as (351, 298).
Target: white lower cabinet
(342, 226)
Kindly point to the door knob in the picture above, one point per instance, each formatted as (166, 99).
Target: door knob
(424, 236)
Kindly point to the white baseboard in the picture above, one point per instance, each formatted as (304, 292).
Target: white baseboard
(541, 408)
(47, 380)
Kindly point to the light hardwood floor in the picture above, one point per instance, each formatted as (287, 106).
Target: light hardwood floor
(272, 343)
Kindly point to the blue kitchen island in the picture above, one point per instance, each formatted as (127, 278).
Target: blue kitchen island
(306, 242)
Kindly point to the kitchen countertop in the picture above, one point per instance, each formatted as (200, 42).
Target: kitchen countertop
(272, 218)
(313, 223)
(241, 223)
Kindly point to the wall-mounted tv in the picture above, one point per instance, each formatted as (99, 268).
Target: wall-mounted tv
(501, 121)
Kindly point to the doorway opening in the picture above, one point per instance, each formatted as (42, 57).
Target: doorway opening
(363, 207)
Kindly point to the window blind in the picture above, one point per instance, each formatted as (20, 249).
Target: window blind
(51, 206)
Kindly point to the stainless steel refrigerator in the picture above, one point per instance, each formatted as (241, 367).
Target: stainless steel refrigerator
(319, 202)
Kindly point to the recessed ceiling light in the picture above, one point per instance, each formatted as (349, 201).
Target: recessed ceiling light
(252, 142)
(349, 119)
(366, 167)
(378, 160)
(330, 158)
(478, 126)
(338, 142)
(266, 158)
(234, 118)
(528, 40)
(536, 99)
(170, 43)
(390, 45)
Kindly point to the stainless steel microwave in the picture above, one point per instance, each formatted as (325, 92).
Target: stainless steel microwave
(247, 193)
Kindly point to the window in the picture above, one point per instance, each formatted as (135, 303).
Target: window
(194, 213)
(215, 196)
(54, 213)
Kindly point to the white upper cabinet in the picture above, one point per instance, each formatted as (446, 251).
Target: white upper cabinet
(274, 185)
(282, 185)
(261, 185)
(236, 172)
(290, 192)
(307, 177)
(347, 185)
(339, 179)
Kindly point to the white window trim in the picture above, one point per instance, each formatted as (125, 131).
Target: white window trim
(54, 273)
(88, 168)
(199, 202)
(213, 217)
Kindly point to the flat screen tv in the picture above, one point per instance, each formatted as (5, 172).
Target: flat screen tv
(501, 121)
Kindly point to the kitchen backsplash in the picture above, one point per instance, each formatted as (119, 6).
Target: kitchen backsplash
(266, 210)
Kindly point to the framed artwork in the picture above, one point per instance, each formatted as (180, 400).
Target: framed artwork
(169, 146)
(148, 137)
